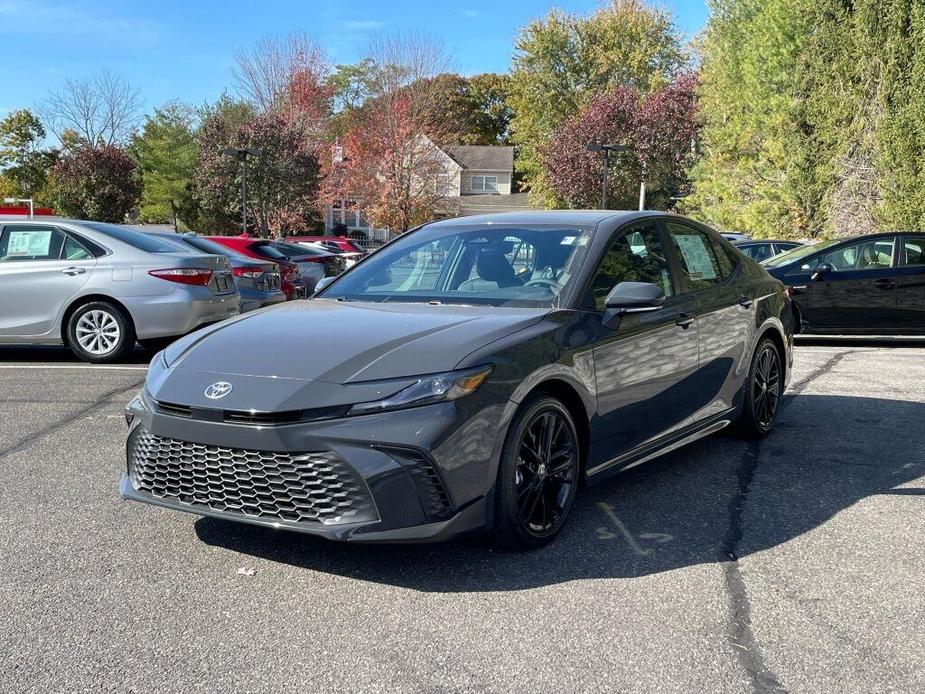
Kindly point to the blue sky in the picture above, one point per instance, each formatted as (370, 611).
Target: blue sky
(184, 49)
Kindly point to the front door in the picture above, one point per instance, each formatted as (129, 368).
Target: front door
(642, 367)
(40, 269)
(859, 293)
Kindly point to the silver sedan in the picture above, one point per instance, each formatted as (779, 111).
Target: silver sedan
(100, 287)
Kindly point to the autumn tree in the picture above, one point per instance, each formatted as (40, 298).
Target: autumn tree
(97, 183)
(659, 129)
(282, 180)
(563, 61)
(387, 158)
(167, 151)
(100, 111)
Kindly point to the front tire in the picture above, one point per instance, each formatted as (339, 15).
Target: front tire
(763, 390)
(100, 332)
(538, 474)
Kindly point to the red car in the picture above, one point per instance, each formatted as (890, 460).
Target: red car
(293, 286)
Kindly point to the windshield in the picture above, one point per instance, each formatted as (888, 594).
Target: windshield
(478, 264)
(293, 250)
(798, 253)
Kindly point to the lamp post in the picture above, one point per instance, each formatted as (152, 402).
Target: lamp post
(28, 201)
(242, 153)
(606, 149)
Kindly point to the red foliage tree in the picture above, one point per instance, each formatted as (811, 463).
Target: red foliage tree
(97, 183)
(660, 129)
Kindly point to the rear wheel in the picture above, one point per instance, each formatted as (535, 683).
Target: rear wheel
(538, 474)
(100, 332)
(763, 391)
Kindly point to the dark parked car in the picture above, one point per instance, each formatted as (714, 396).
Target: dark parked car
(257, 282)
(762, 250)
(872, 285)
(471, 374)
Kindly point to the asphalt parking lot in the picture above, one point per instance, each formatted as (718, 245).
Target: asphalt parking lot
(795, 564)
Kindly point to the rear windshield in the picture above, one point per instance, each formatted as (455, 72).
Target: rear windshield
(267, 250)
(798, 253)
(136, 239)
(207, 246)
(293, 250)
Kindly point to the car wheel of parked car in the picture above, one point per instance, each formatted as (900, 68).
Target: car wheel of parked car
(100, 332)
(538, 474)
(763, 390)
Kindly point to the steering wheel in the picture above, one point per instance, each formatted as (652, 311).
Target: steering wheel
(543, 282)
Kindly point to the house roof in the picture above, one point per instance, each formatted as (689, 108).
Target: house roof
(482, 157)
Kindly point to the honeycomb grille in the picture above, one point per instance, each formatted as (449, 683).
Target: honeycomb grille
(300, 487)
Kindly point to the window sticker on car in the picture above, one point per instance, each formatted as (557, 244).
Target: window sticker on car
(29, 243)
(567, 241)
(696, 256)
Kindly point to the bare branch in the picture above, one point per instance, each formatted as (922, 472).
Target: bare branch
(102, 110)
(264, 73)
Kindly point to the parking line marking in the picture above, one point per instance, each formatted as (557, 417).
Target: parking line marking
(33, 367)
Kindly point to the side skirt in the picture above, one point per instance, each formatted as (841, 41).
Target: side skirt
(643, 454)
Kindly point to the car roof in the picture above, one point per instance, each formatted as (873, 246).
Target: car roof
(755, 242)
(564, 217)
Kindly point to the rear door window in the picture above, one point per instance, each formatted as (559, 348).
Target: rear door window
(703, 263)
(24, 243)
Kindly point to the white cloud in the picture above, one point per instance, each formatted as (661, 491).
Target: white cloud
(363, 24)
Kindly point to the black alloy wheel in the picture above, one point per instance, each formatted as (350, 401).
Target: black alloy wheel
(539, 475)
(765, 387)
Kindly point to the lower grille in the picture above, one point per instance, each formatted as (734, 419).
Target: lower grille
(304, 487)
(433, 494)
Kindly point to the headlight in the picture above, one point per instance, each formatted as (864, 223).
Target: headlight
(428, 390)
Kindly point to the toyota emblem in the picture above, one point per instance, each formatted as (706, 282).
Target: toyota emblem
(218, 390)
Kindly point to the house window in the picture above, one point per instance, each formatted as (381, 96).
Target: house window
(484, 184)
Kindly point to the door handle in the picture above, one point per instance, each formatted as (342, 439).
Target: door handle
(684, 321)
(885, 283)
(73, 271)
(745, 302)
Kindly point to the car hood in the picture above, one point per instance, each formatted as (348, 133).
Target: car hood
(345, 342)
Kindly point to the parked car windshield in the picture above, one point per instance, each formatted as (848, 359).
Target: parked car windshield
(484, 264)
(798, 253)
(294, 250)
(136, 239)
(207, 246)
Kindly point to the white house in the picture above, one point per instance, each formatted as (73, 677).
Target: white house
(477, 179)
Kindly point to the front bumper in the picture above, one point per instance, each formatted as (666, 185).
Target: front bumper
(427, 471)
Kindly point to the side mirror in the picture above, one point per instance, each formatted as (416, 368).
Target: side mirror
(820, 270)
(631, 297)
(323, 282)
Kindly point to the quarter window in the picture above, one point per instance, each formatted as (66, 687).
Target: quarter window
(703, 264)
(636, 255)
(23, 243)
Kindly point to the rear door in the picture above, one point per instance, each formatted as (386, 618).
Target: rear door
(724, 317)
(41, 267)
(910, 284)
(859, 294)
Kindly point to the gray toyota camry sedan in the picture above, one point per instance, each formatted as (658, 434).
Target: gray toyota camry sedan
(472, 374)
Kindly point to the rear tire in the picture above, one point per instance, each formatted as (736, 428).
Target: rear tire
(538, 475)
(763, 390)
(100, 332)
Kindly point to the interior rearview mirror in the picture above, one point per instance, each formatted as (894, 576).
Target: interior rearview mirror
(631, 297)
(820, 270)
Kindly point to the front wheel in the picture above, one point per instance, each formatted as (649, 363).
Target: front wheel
(763, 390)
(100, 332)
(538, 474)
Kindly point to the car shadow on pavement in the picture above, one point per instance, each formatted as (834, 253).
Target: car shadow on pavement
(57, 354)
(719, 497)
